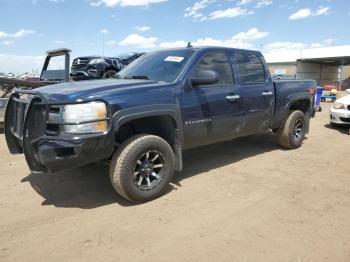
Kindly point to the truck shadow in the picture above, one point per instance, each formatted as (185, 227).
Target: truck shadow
(214, 156)
(89, 187)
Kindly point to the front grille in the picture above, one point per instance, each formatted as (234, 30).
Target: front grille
(79, 62)
(345, 120)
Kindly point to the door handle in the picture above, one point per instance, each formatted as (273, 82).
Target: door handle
(267, 93)
(232, 97)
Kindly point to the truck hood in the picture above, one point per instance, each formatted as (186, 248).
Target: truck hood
(72, 91)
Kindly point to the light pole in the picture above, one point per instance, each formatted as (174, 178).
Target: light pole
(103, 32)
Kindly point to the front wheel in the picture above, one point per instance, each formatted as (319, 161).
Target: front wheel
(142, 167)
(109, 74)
(292, 132)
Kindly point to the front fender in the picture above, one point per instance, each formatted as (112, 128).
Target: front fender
(125, 115)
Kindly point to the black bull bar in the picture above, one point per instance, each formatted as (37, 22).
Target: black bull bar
(25, 122)
(26, 132)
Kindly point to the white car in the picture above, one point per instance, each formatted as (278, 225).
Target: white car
(340, 111)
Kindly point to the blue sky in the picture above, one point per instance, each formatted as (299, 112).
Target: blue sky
(30, 27)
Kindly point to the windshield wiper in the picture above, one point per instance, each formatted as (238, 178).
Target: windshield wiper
(136, 77)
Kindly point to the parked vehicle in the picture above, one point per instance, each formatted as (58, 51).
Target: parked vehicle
(97, 67)
(340, 111)
(283, 77)
(163, 103)
(47, 77)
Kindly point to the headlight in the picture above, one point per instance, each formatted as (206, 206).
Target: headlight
(85, 118)
(96, 61)
(337, 105)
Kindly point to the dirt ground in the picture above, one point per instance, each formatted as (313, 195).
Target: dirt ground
(245, 200)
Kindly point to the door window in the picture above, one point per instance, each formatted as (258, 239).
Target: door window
(219, 63)
(250, 68)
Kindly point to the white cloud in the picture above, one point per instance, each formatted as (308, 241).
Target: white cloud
(104, 31)
(307, 12)
(20, 64)
(142, 28)
(322, 10)
(113, 3)
(56, 1)
(230, 12)
(251, 34)
(245, 2)
(263, 3)
(193, 11)
(285, 46)
(290, 51)
(240, 40)
(139, 41)
(196, 10)
(19, 34)
(173, 44)
(259, 3)
(111, 42)
(301, 14)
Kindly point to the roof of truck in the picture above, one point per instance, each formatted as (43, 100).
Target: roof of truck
(201, 48)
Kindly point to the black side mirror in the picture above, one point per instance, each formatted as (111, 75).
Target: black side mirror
(204, 77)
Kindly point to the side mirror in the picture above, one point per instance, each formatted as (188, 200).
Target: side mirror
(204, 77)
(347, 91)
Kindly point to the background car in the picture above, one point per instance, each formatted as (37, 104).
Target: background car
(340, 111)
(97, 67)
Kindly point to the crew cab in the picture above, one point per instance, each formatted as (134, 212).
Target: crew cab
(162, 104)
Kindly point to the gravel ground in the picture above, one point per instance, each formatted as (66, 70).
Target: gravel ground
(244, 200)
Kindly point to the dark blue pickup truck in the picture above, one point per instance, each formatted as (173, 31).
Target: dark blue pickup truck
(161, 104)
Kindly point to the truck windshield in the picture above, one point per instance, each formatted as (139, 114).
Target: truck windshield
(159, 66)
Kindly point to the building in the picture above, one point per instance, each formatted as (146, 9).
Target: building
(325, 65)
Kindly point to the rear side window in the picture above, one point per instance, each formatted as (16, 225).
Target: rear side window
(250, 68)
(220, 64)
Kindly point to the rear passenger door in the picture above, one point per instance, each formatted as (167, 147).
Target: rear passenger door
(256, 91)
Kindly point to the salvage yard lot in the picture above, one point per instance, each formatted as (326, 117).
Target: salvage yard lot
(243, 200)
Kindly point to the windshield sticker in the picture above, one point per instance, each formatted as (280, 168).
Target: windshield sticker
(177, 59)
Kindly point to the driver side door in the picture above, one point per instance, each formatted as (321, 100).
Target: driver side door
(211, 113)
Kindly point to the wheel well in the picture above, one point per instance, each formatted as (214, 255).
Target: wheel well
(162, 126)
(302, 105)
(110, 68)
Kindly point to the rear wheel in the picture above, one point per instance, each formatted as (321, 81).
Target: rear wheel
(292, 133)
(142, 167)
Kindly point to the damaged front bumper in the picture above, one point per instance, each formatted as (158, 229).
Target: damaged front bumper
(26, 132)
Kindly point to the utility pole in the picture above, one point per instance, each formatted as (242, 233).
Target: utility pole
(341, 77)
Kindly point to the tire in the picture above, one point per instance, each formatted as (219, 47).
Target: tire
(292, 132)
(129, 166)
(109, 74)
